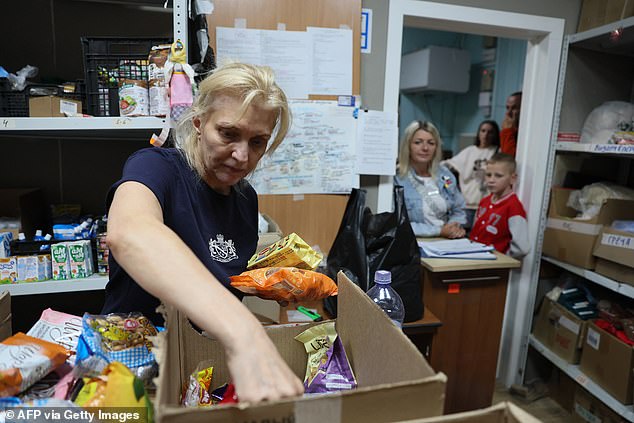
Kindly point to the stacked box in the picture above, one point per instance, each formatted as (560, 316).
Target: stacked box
(8, 270)
(60, 261)
(32, 268)
(80, 259)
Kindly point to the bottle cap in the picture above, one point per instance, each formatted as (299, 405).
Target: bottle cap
(38, 232)
(47, 237)
(382, 277)
(21, 236)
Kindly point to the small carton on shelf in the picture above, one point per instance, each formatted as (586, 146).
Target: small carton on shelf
(395, 382)
(53, 106)
(616, 251)
(60, 261)
(34, 268)
(608, 361)
(559, 330)
(589, 409)
(572, 240)
(8, 270)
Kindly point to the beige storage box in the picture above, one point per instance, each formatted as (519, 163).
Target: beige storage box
(559, 330)
(616, 251)
(53, 106)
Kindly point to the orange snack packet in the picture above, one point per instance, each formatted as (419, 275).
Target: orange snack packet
(285, 284)
(24, 360)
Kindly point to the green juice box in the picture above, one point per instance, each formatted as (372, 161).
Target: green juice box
(60, 261)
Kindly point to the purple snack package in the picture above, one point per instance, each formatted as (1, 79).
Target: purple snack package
(335, 374)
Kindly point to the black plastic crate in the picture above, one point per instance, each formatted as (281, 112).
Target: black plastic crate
(106, 61)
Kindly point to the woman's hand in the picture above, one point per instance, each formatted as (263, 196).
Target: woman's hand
(258, 372)
(452, 230)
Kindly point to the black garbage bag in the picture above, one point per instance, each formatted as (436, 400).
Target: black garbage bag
(368, 242)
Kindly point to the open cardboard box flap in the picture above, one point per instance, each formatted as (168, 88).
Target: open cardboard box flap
(395, 382)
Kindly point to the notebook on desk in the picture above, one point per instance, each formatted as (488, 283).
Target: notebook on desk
(462, 248)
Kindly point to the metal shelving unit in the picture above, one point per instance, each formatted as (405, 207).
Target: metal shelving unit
(626, 411)
(596, 66)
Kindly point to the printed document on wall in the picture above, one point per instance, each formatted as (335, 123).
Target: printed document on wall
(332, 60)
(317, 155)
(239, 44)
(377, 142)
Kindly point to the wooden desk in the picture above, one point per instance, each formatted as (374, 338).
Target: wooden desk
(468, 296)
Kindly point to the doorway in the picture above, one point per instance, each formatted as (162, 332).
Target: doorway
(544, 38)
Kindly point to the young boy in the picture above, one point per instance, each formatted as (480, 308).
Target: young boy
(501, 220)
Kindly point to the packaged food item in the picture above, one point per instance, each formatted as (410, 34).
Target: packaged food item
(328, 368)
(5, 244)
(133, 97)
(197, 393)
(117, 337)
(158, 90)
(290, 251)
(24, 360)
(61, 328)
(285, 284)
(8, 270)
(60, 261)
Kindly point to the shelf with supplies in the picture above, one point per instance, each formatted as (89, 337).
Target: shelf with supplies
(621, 288)
(91, 283)
(573, 371)
(81, 127)
(575, 147)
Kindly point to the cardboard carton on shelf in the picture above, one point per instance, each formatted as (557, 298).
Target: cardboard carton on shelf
(53, 106)
(560, 330)
(600, 12)
(608, 361)
(615, 250)
(395, 382)
(589, 409)
(503, 412)
(571, 240)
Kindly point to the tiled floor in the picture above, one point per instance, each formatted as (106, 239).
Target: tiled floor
(544, 409)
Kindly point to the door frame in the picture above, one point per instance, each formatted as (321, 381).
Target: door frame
(544, 36)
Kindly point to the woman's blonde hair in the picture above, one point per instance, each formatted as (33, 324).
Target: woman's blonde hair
(404, 156)
(252, 85)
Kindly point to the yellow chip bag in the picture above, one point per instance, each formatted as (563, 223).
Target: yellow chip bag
(291, 251)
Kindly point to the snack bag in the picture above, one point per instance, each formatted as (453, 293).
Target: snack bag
(60, 328)
(291, 251)
(24, 360)
(197, 392)
(317, 340)
(285, 284)
(117, 337)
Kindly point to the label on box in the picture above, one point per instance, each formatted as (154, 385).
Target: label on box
(619, 241)
(67, 107)
(569, 324)
(573, 226)
(593, 338)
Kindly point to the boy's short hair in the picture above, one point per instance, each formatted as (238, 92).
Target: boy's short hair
(504, 158)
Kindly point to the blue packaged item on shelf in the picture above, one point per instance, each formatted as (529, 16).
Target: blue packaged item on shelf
(64, 232)
(5, 244)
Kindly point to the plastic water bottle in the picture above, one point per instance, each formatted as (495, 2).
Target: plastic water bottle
(386, 297)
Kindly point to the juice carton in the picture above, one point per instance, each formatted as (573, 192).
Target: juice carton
(59, 261)
(27, 269)
(8, 270)
(44, 263)
(80, 261)
(5, 244)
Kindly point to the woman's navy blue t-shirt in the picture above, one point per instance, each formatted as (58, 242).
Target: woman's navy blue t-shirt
(221, 230)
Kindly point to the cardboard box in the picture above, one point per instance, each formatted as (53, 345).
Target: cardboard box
(395, 382)
(27, 205)
(560, 330)
(503, 412)
(571, 240)
(5, 315)
(600, 12)
(267, 311)
(273, 235)
(53, 106)
(609, 362)
(616, 251)
(589, 409)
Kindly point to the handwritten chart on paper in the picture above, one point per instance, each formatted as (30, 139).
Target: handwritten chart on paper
(316, 157)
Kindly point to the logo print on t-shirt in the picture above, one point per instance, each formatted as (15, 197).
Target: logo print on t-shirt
(221, 250)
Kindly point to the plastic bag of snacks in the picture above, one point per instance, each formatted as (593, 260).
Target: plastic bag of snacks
(24, 360)
(291, 251)
(285, 284)
(117, 337)
(197, 393)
